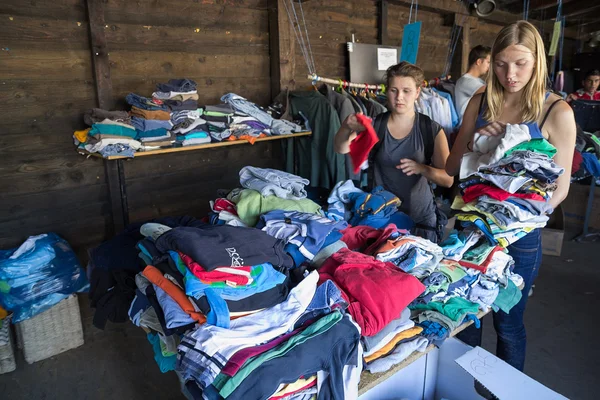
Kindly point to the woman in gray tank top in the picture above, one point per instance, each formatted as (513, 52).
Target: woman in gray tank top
(400, 159)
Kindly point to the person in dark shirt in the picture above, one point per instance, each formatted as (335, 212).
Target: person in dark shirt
(401, 163)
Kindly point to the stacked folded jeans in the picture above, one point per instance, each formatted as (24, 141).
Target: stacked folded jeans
(263, 121)
(177, 95)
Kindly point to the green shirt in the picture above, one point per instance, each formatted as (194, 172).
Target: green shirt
(316, 159)
(508, 297)
(456, 308)
(250, 205)
(536, 145)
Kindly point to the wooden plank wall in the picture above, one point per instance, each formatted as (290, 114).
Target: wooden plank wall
(46, 83)
(221, 44)
(330, 25)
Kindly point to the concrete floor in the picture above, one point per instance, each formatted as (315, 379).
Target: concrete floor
(562, 354)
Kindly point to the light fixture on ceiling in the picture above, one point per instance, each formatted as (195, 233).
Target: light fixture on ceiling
(483, 8)
(595, 39)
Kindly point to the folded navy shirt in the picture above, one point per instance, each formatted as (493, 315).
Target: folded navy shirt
(214, 246)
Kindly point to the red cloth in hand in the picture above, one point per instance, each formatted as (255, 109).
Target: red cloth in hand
(376, 291)
(361, 146)
(473, 192)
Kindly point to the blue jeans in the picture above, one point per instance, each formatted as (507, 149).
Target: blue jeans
(527, 253)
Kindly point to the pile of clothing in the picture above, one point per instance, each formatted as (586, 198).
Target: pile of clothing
(243, 303)
(38, 274)
(506, 183)
(473, 275)
(586, 157)
(376, 208)
(111, 133)
(251, 120)
(172, 118)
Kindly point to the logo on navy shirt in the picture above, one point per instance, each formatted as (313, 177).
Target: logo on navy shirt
(236, 259)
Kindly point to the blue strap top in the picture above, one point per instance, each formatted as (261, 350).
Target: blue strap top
(535, 130)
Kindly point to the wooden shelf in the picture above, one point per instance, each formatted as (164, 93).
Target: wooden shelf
(197, 147)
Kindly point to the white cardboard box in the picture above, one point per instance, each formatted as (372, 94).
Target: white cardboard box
(448, 373)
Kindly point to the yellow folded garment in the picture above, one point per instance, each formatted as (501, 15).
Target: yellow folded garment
(385, 350)
(284, 389)
(81, 135)
(3, 313)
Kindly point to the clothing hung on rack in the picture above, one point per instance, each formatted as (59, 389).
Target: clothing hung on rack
(437, 107)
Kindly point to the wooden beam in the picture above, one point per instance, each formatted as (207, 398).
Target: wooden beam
(382, 23)
(497, 17)
(504, 18)
(282, 44)
(581, 8)
(101, 65)
(450, 6)
(544, 4)
(466, 46)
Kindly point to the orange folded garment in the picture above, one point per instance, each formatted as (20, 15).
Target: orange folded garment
(250, 139)
(155, 276)
(388, 348)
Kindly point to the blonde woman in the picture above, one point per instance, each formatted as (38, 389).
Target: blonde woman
(516, 94)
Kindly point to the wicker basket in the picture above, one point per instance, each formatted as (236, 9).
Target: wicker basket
(7, 353)
(52, 332)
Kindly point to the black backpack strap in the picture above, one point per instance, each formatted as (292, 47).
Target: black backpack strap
(548, 112)
(426, 128)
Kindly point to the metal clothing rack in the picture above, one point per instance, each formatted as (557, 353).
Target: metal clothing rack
(345, 84)
(586, 235)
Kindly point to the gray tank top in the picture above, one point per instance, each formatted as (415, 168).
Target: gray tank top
(414, 191)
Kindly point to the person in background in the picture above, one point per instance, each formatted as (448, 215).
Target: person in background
(400, 164)
(473, 80)
(516, 93)
(590, 88)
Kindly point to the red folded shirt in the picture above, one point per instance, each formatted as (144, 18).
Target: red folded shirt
(366, 239)
(225, 205)
(361, 146)
(475, 191)
(233, 276)
(376, 291)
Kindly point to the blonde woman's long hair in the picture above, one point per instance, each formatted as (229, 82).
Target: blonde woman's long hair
(533, 94)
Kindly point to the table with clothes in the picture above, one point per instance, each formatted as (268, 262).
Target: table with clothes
(171, 117)
(275, 296)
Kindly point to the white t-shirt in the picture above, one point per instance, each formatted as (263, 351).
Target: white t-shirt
(465, 88)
